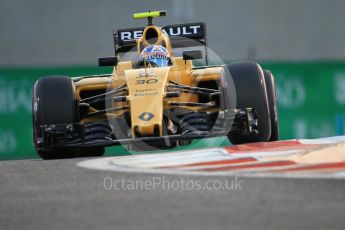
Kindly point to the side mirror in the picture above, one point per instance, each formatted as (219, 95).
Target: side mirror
(192, 54)
(107, 61)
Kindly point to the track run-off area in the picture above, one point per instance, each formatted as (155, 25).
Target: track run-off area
(310, 158)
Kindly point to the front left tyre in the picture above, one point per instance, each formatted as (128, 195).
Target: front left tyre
(251, 92)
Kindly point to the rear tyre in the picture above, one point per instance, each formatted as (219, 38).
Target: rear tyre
(251, 92)
(53, 102)
(272, 102)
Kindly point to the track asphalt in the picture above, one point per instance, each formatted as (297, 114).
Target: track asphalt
(57, 194)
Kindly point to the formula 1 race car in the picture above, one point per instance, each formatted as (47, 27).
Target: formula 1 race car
(155, 98)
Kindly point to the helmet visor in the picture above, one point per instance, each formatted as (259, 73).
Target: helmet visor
(160, 62)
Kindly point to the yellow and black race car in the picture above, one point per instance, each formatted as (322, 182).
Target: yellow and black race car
(155, 98)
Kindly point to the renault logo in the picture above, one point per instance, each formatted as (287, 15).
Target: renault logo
(146, 116)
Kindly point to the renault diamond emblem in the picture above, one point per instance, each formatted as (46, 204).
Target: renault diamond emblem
(146, 116)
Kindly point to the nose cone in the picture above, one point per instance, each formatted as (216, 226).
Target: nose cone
(146, 94)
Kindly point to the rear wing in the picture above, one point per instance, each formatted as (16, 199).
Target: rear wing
(181, 36)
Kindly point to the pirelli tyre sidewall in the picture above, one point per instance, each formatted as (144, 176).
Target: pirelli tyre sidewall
(272, 102)
(53, 102)
(251, 92)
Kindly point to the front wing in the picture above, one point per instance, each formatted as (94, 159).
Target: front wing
(241, 121)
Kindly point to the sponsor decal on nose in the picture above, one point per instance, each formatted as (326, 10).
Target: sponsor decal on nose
(146, 116)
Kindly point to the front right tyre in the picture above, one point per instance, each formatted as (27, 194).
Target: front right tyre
(54, 102)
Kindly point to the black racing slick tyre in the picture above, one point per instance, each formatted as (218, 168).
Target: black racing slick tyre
(272, 102)
(53, 102)
(251, 92)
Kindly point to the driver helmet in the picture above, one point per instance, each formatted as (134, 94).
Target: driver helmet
(156, 54)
